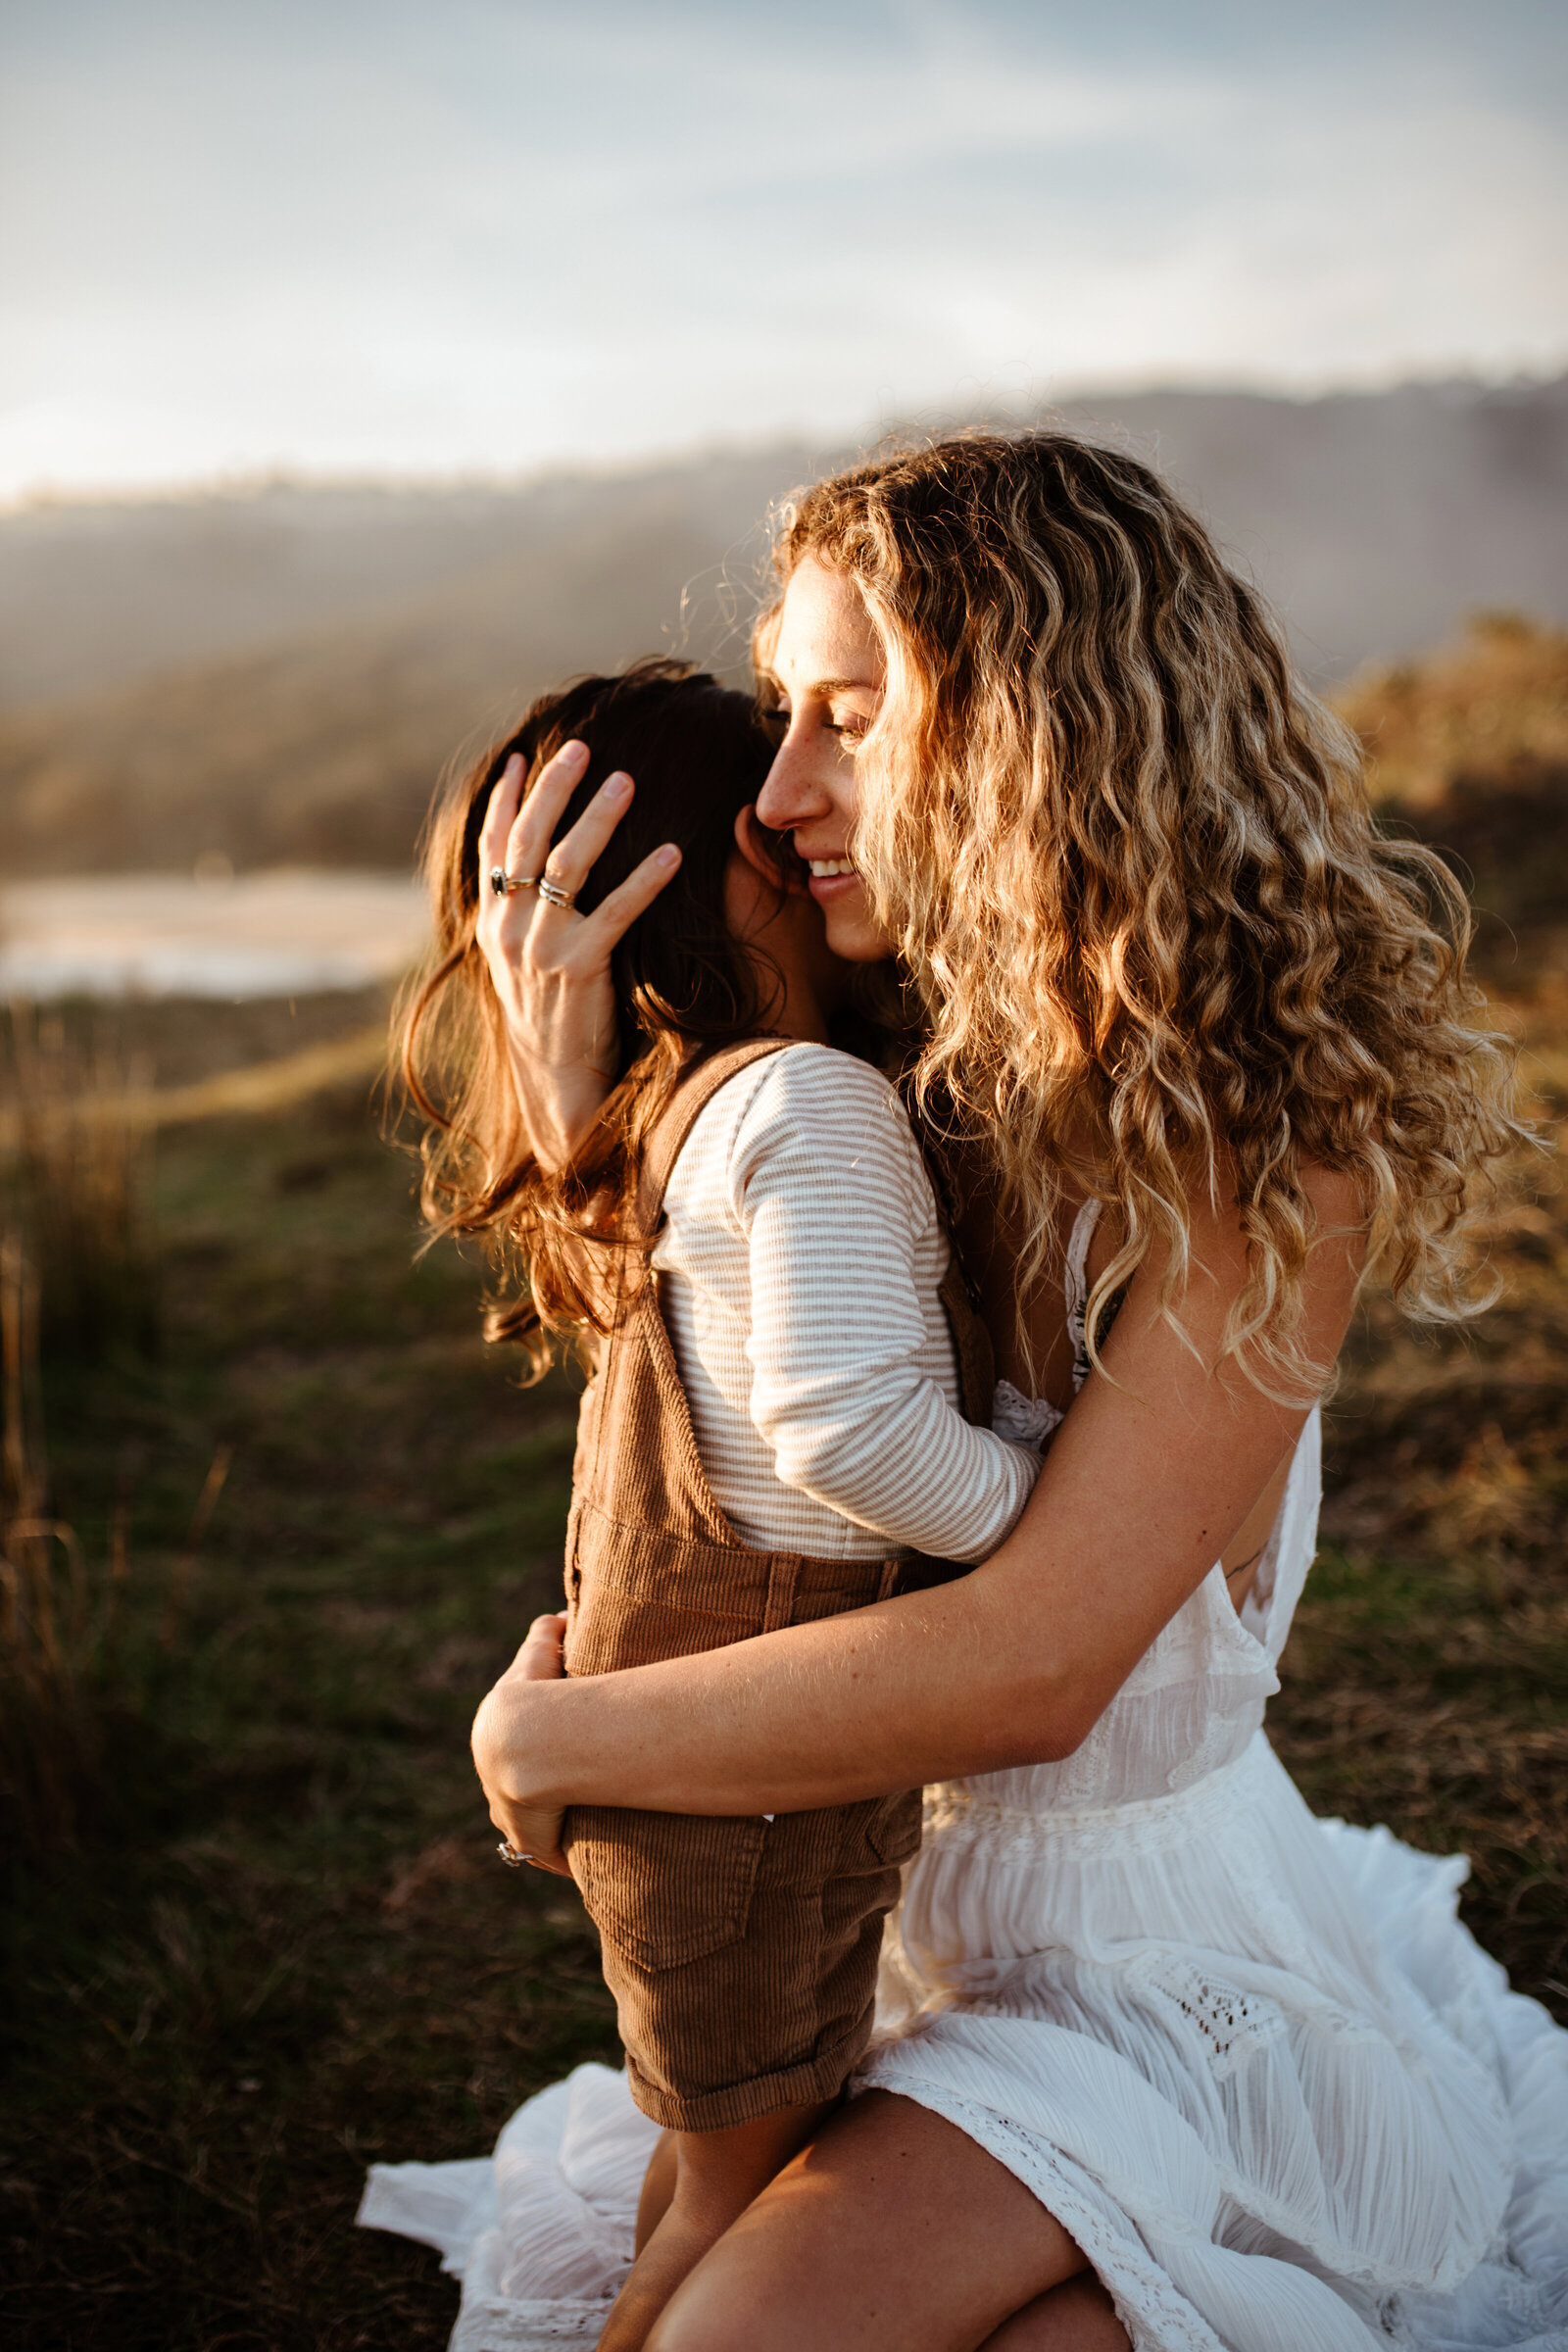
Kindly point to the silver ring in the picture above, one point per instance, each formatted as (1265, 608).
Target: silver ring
(511, 1856)
(554, 894)
(504, 884)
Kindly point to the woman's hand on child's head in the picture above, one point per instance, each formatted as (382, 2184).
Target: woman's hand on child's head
(532, 1829)
(549, 965)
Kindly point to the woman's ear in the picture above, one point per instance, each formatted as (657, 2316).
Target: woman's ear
(756, 846)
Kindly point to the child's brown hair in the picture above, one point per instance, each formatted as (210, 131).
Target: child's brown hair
(698, 754)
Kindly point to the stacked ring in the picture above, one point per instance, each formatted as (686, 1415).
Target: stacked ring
(554, 894)
(511, 1856)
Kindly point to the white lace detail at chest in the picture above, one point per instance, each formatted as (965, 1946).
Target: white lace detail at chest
(1033, 1421)
(1024, 1420)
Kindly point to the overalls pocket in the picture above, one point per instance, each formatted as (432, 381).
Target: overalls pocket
(664, 1887)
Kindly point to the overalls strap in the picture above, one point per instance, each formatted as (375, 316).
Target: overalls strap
(695, 1087)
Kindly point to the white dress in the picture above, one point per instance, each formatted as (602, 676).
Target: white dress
(1249, 2059)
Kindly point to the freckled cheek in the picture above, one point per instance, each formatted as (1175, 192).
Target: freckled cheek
(832, 769)
(843, 786)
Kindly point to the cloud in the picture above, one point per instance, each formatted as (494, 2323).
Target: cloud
(360, 237)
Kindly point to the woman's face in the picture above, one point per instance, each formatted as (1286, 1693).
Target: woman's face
(830, 674)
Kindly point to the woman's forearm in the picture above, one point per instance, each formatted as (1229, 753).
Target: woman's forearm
(819, 1714)
(1148, 1479)
(1150, 1476)
(1010, 1665)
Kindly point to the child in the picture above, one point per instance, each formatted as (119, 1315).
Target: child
(783, 1343)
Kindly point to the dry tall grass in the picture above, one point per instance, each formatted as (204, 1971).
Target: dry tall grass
(56, 1619)
(1493, 707)
(78, 1280)
(73, 1183)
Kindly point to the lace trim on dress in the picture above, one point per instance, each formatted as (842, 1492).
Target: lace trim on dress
(1077, 1281)
(1235, 2025)
(1207, 1756)
(1033, 1420)
(496, 2325)
(1024, 1420)
(1156, 2316)
(957, 1814)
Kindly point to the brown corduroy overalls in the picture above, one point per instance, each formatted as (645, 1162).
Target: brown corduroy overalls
(741, 1952)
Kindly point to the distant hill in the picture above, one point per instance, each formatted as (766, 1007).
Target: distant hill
(279, 675)
(1469, 751)
(96, 596)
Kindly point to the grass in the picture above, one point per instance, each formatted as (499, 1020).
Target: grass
(1426, 1683)
(280, 1945)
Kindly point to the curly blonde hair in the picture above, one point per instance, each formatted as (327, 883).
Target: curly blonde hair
(1130, 863)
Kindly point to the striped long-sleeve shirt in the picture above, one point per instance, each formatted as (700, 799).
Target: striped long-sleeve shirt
(799, 1272)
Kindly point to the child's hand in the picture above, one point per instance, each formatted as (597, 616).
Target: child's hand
(533, 1831)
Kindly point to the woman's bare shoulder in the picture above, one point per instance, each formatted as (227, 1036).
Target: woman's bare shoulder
(1214, 1200)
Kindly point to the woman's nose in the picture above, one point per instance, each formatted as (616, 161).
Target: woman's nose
(791, 795)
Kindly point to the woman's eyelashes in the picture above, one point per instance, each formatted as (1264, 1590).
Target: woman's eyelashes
(849, 726)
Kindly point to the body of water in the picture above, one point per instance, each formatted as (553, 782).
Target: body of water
(283, 934)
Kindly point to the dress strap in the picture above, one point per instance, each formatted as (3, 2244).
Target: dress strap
(1076, 1282)
(1076, 1274)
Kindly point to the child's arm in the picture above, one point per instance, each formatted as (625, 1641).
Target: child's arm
(831, 1189)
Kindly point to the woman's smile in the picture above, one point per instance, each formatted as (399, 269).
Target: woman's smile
(834, 882)
(829, 672)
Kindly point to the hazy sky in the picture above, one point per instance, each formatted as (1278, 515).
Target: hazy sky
(432, 235)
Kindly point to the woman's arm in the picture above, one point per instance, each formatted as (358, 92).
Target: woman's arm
(1146, 1483)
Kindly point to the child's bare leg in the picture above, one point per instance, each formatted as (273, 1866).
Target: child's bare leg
(659, 2186)
(716, 2175)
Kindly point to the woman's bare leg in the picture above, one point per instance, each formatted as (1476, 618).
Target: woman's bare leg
(1079, 2317)
(892, 2228)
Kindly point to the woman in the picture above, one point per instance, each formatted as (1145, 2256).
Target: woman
(1176, 2068)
